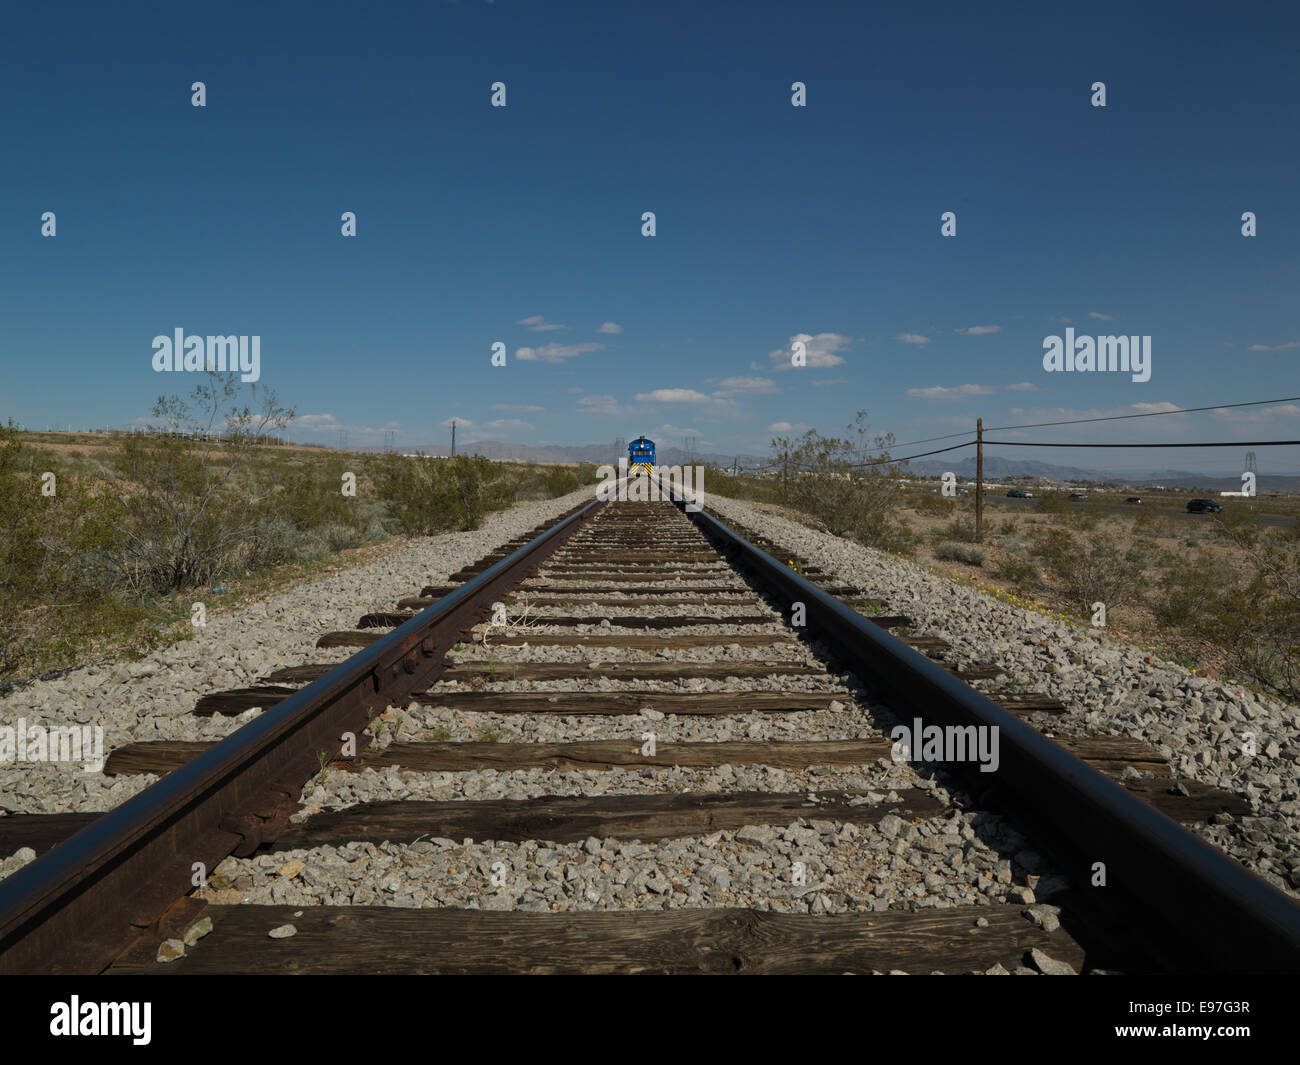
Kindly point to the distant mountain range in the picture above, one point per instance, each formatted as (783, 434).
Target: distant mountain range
(995, 467)
(598, 453)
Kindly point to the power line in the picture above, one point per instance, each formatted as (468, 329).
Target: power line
(1080, 421)
(931, 439)
(908, 458)
(1148, 414)
(1214, 443)
(1112, 418)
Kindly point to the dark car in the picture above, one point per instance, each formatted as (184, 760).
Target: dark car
(1133, 499)
(1077, 496)
(1016, 493)
(1203, 506)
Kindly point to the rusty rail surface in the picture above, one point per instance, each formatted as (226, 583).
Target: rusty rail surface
(79, 906)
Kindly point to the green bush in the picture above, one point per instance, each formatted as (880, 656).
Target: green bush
(927, 502)
(849, 483)
(1092, 571)
(1192, 588)
(1019, 573)
(959, 531)
(189, 507)
(955, 552)
(53, 588)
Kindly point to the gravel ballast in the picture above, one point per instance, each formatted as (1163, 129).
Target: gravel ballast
(1199, 724)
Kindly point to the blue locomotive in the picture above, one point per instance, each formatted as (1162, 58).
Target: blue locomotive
(641, 456)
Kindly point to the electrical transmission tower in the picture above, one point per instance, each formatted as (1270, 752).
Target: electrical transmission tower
(1250, 462)
(390, 438)
(620, 448)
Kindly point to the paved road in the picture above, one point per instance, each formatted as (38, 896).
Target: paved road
(1128, 508)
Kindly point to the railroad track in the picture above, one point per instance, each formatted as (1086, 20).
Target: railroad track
(728, 708)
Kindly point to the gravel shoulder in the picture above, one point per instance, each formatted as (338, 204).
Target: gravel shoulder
(151, 699)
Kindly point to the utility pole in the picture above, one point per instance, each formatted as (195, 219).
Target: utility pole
(735, 459)
(979, 480)
(453, 438)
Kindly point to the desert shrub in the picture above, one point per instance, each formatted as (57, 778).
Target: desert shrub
(883, 532)
(1193, 587)
(1052, 502)
(927, 502)
(955, 552)
(848, 483)
(53, 589)
(190, 502)
(1018, 572)
(960, 531)
(310, 496)
(1253, 615)
(719, 482)
(425, 496)
(1094, 570)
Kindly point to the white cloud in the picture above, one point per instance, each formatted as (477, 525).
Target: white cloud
(556, 352)
(939, 392)
(979, 330)
(689, 396)
(912, 338)
(1023, 386)
(820, 350)
(507, 425)
(610, 327)
(746, 386)
(674, 430)
(317, 424)
(673, 395)
(538, 324)
(1155, 408)
(461, 423)
(519, 408)
(603, 405)
(303, 421)
(1275, 347)
(1257, 414)
(1103, 317)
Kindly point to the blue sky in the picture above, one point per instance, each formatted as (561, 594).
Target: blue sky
(522, 224)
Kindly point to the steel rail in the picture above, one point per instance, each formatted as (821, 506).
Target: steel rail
(74, 909)
(1197, 910)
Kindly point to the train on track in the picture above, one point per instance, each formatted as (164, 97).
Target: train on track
(641, 456)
